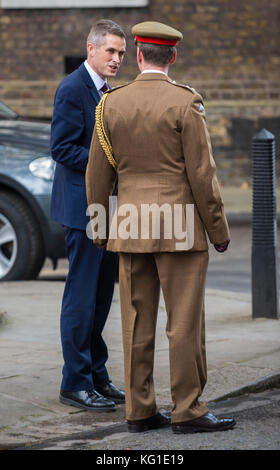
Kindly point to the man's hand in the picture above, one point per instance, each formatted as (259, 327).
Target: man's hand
(221, 247)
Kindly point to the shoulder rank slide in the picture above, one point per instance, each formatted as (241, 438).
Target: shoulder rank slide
(187, 87)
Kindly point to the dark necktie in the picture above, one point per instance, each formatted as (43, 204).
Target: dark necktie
(104, 88)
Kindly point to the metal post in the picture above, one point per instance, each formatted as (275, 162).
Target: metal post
(264, 231)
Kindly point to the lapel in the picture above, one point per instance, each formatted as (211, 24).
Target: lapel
(89, 83)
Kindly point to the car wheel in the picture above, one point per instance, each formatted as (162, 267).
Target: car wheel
(21, 245)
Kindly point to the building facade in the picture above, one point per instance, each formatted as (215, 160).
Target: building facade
(230, 54)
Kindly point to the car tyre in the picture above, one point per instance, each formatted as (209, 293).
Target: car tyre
(21, 245)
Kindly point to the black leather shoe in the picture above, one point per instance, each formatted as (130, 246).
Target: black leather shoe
(154, 422)
(206, 423)
(89, 400)
(109, 390)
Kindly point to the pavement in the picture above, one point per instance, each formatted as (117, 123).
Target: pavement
(243, 357)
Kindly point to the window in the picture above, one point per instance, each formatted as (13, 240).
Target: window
(72, 62)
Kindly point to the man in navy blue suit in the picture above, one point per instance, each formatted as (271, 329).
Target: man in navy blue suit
(90, 282)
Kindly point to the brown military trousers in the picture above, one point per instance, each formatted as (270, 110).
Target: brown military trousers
(182, 277)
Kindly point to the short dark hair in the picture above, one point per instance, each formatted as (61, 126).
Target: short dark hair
(156, 54)
(101, 28)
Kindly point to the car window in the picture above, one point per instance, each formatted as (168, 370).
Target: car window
(6, 113)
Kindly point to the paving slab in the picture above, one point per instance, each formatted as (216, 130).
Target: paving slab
(239, 350)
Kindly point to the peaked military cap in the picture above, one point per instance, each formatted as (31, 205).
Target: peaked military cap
(152, 32)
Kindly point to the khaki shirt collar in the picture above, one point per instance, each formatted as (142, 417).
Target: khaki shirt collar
(152, 76)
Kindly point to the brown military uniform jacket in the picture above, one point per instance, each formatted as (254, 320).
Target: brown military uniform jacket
(163, 152)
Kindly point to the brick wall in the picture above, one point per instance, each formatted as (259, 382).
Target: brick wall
(230, 54)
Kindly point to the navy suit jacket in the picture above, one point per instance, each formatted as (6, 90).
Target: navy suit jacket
(71, 132)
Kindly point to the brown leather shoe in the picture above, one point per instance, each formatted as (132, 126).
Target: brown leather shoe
(154, 422)
(206, 423)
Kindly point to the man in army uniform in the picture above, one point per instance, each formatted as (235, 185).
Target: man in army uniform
(152, 132)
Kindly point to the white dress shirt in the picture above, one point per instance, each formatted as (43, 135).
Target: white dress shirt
(153, 71)
(97, 80)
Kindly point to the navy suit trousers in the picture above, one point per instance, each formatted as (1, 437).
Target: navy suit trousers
(86, 303)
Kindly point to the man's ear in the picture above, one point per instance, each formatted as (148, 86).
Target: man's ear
(139, 56)
(90, 49)
(173, 59)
